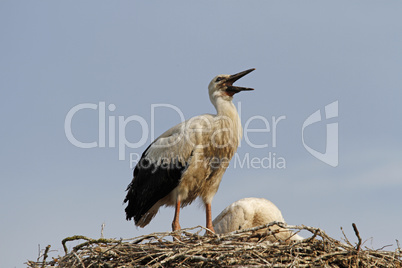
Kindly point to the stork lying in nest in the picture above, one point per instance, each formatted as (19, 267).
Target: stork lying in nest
(251, 212)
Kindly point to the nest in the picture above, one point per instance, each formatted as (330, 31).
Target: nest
(243, 248)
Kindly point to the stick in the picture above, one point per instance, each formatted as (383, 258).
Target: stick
(45, 256)
(358, 236)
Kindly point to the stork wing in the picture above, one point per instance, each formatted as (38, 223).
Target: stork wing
(160, 169)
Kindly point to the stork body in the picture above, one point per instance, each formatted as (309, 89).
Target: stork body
(188, 160)
(252, 212)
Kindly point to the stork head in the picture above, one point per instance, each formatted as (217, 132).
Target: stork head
(222, 86)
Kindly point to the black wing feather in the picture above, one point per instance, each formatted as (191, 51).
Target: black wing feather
(151, 183)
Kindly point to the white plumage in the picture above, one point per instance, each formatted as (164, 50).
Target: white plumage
(251, 212)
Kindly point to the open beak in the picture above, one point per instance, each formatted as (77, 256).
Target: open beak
(233, 78)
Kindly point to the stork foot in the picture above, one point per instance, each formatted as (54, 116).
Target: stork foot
(210, 231)
(175, 226)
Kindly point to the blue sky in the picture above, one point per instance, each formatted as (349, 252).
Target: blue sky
(57, 55)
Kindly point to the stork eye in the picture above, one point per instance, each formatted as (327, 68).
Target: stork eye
(218, 79)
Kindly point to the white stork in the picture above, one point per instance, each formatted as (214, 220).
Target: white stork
(251, 212)
(188, 160)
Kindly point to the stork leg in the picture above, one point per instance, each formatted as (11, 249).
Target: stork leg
(175, 223)
(209, 217)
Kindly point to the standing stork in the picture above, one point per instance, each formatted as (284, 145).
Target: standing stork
(188, 160)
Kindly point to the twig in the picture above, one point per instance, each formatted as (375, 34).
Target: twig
(79, 259)
(45, 255)
(198, 258)
(89, 241)
(102, 227)
(358, 236)
(345, 238)
(313, 237)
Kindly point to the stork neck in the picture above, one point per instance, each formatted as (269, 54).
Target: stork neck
(225, 107)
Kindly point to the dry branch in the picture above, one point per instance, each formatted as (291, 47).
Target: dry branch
(358, 236)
